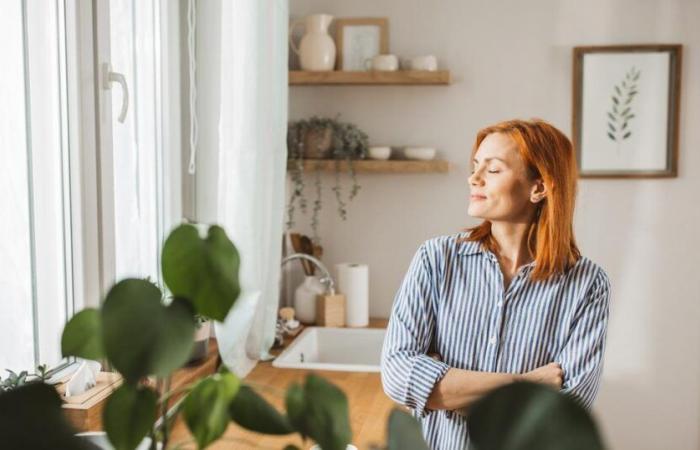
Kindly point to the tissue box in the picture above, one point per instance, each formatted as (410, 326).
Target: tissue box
(330, 310)
(84, 411)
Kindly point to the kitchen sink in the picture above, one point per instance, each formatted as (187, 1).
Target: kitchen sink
(341, 349)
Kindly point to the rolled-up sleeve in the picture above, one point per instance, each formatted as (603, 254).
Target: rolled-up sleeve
(582, 356)
(408, 374)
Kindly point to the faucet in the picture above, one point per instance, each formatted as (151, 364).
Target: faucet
(326, 279)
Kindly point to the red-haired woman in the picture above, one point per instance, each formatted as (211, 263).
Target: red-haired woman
(510, 299)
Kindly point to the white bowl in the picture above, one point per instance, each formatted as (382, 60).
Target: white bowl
(379, 152)
(420, 153)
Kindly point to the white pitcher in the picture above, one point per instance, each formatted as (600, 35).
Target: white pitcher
(316, 50)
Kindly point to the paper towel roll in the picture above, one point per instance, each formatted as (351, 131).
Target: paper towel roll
(353, 281)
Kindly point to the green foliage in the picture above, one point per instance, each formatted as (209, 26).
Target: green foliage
(15, 380)
(348, 143)
(31, 417)
(206, 407)
(252, 412)
(203, 271)
(82, 335)
(142, 336)
(320, 410)
(404, 432)
(129, 414)
(621, 113)
(528, 416)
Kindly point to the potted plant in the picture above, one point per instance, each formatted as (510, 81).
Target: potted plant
(322, 138)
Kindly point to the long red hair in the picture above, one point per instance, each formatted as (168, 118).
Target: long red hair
(549, 155)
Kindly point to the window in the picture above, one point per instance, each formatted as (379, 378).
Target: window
(85, 198)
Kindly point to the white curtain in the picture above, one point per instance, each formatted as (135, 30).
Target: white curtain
(252, 158)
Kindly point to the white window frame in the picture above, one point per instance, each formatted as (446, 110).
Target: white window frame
(91, 196)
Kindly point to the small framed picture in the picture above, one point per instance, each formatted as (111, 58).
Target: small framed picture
(358, 39)
(626, 104)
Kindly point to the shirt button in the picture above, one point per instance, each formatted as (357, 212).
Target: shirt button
(499, 304)
(492, 341)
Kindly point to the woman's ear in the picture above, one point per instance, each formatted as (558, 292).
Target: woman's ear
(538, 191)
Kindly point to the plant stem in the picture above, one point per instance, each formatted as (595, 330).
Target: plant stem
(164, 412)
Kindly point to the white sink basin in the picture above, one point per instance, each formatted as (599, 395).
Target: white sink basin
(343, 349)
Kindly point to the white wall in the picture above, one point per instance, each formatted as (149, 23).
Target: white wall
(513, 59)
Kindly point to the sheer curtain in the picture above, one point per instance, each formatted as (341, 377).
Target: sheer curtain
(252, 156)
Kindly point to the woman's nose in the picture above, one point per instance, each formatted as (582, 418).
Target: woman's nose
(475, 179)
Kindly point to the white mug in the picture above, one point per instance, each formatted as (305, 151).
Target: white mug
(387, 63)
(426, 62)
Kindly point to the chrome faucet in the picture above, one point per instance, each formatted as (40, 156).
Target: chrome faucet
(326, 279)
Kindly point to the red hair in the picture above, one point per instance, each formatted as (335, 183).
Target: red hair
(548, 154)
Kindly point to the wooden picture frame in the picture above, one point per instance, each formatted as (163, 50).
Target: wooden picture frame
(626, 108)
(361, 44)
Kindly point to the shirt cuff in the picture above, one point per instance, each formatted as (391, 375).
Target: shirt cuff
(426, 372)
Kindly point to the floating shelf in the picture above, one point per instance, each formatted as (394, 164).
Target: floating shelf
(377, 166)
(399, 77)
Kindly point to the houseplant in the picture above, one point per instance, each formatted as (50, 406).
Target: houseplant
(319, 138)
(143, 333)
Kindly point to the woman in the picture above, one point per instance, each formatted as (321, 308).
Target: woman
(510, 299)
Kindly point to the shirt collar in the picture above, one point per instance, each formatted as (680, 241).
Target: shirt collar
(468, 248)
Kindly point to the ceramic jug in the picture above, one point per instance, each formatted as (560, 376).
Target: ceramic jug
(305, 298)
(316, 49)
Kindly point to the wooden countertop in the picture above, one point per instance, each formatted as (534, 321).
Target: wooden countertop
(369, 406)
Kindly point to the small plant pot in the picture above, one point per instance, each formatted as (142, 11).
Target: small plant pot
(201, 343)
(317, 143)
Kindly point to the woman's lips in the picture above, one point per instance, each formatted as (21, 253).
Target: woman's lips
(478, 197)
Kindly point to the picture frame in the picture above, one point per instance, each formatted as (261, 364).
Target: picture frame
(626, 107)
(360, 38)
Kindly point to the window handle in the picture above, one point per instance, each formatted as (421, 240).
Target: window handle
(109, 77)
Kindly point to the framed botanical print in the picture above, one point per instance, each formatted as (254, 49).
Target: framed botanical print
(626, 104)
(358, 39)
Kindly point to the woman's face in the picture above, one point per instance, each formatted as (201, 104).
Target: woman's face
(500, 189)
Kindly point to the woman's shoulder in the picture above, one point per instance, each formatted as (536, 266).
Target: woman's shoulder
(591, 273)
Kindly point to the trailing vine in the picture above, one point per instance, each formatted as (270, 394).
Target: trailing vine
(347, 143)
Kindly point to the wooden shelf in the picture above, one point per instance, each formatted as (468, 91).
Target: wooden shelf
(377, 166)
(399, 77)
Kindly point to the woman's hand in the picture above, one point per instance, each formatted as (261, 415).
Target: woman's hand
(551, 375)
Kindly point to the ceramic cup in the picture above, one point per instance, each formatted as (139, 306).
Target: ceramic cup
(426, 62)
(387, 63)
(379, 152)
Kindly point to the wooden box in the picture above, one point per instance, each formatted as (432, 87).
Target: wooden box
(330, 310)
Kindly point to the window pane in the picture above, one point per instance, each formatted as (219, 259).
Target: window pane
(16, 326)
(36, 268)
(135, 43)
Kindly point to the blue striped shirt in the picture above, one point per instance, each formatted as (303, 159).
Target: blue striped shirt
(452, 302)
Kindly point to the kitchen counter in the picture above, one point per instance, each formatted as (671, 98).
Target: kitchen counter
(369, 406)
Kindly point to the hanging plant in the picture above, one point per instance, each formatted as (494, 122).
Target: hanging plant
(319, 138)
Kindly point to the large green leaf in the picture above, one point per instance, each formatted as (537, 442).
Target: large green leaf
(206, 407)
(82, 335)
(31, 417)
(404, 432)
(320, 411)
(205, 271)
(294, 402)
(129, 415)
(141, 335)
(529, 416)
(252, 412)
